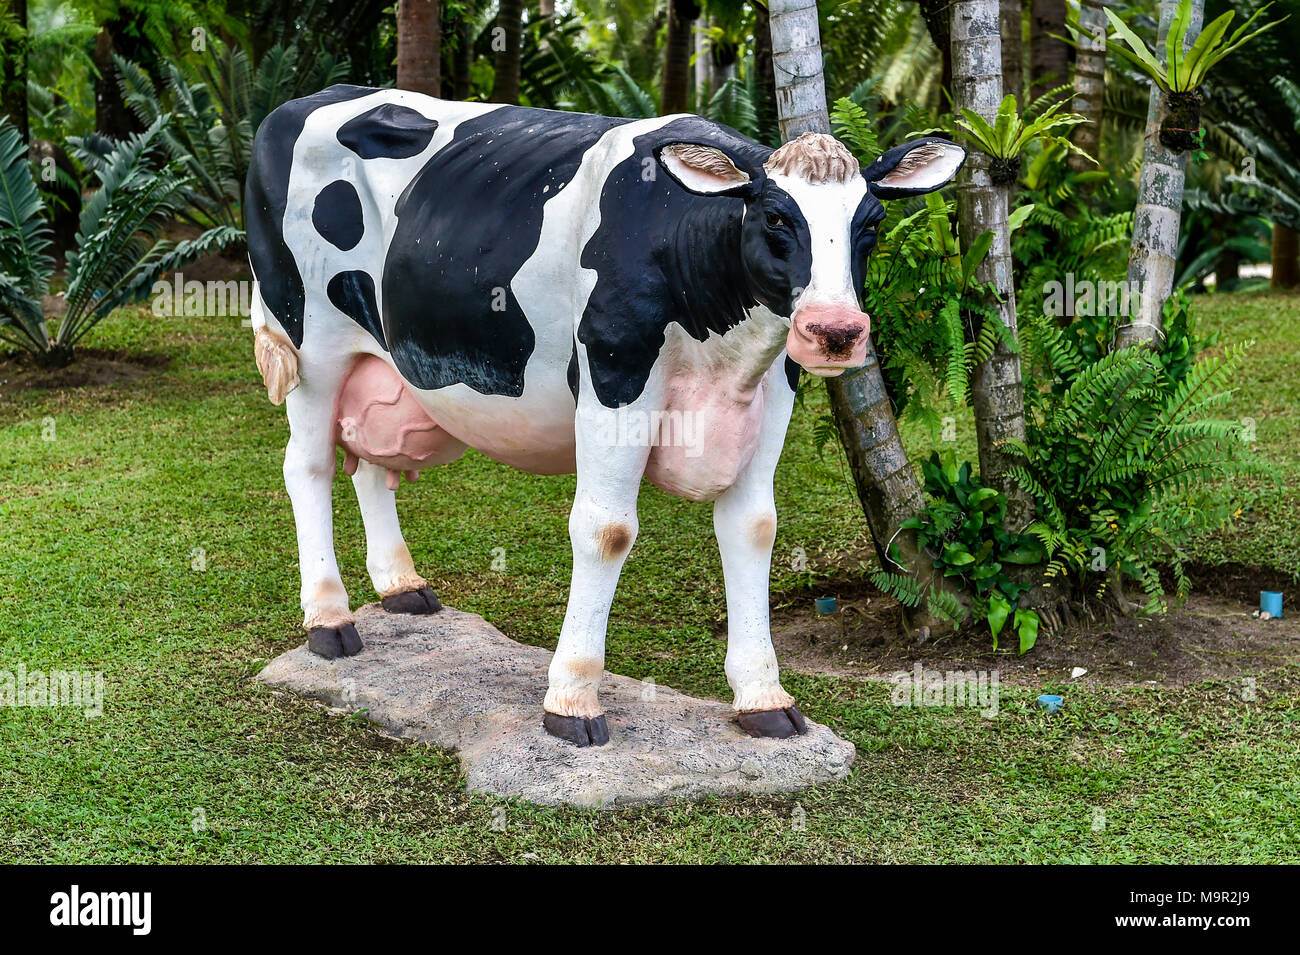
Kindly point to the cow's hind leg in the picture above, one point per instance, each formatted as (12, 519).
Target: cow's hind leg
(309, 466)
(388, 558)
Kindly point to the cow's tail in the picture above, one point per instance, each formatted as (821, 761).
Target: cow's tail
(277, 359)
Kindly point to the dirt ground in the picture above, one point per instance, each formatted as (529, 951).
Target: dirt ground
(1213, 635)
(92, 367)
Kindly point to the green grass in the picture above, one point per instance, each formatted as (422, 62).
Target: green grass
(103, 527)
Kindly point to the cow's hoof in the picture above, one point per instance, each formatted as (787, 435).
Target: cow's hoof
(578, 730)
(331, 642)
(774, 724)
(423, 600)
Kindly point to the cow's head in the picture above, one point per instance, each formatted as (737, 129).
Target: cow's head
(810, 222)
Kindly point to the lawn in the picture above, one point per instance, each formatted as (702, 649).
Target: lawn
(145, 532)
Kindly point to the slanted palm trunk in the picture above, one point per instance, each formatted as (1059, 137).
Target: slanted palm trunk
(1089, 82)
(885, 480)
(419, 46)
(508, 46)
(1153, 251)
(997, 391)
(674, 95)
(1011, 28)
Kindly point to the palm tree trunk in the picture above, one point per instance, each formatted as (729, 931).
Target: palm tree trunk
(507, 43)
(997, 391)
(1089, 82)
(885, 480)
(419, 46)
(1011, 27)
(1049, 58)
(112, 117)
(675, 94)
(14, 78)
(462, 59)
(703, 87)
(765, 75)
(1153, 250)
(1285, 257)
(935, 15)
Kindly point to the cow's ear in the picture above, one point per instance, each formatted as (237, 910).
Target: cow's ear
(703, 170)
(914, 168)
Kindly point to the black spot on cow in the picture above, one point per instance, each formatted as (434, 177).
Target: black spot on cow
(664, 254)
(571, 373)
(353, 294)
(388, 132)
(465, 225)
(337, 216)
(866, 218)
(265, 197)
(792, 371)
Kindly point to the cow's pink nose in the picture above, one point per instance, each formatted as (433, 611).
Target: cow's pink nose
(827, 339)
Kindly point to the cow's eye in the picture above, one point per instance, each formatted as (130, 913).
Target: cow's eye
(774, 221)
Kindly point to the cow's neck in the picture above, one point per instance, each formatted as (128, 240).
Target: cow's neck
(736, 338)
(703, 269)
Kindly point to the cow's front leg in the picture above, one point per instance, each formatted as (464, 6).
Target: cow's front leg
(602, 528)
(744, 519)
(388, 559)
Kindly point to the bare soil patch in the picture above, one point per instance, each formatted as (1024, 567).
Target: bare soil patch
(1211, 636)
(91, 367)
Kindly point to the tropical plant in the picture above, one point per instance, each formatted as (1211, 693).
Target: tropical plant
(1006, 137)
(1123, 459)
(733, 105)
(119, 254)
(1183, 71)
(214, 106)
(961, 530)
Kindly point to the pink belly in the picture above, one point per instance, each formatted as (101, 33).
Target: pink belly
(702, 452)
(379, 420)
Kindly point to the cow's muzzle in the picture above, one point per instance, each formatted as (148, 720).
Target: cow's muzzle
(827, 339)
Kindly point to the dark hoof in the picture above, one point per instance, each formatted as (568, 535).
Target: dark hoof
(774, 724)
(331, 642)
(577, 730)
(423, 600)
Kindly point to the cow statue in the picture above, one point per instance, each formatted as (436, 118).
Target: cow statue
(563, 292)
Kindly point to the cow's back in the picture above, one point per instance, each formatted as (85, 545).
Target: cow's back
(466, 226)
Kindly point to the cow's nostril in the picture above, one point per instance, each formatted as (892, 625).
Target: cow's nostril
(837, 340)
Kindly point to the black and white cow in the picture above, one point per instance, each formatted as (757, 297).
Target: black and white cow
(562, 292)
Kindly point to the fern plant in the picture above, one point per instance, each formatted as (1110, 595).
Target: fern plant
(932, 319)
(120, 252)
(1122, 459)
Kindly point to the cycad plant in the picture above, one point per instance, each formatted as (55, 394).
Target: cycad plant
(214, 111)
(119, 250)
(1183, 71)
